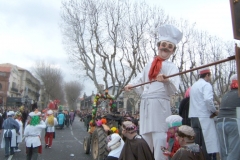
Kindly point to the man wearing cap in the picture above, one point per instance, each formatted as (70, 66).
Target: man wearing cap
(188, 150)
(11, 129)
(155, 97)
(202, 111)
(228, 124)
(50, 122)
(32, 135)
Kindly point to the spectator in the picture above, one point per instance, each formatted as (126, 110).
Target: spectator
(184, 108)
(189, 150)
(135, 147)
(228, 124)
(173, 121)
(115, 145)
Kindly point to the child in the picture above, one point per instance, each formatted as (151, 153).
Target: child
(173, 121)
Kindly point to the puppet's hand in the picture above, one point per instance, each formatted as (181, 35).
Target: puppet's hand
(128, 87)
(162, 78)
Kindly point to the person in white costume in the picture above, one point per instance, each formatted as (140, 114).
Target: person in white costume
(201, 112)
(32, 135)
(155, 97)
(18, 118)
(10, 130)
(50, 122)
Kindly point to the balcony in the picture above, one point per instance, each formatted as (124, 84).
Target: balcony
(14, 90)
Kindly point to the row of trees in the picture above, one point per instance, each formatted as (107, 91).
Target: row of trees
(111, 41)
(54, 85)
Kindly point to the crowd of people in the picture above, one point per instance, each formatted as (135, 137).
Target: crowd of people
(19, 122)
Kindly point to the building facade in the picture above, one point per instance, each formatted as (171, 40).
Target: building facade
(17, 86)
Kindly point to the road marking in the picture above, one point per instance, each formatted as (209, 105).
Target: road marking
(72, 132)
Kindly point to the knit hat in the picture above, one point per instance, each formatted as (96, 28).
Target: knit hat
(18, 114)
(49, 112)
(187, 130)
(129, 126)
(204, 70)
(170, 33)
(174, 121)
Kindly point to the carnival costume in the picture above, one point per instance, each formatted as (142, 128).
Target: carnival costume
(50, 122)
(11, 128)
(155, 97)
(32, 135)
(200, 111)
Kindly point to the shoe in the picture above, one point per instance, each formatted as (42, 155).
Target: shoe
(17, 150)
(49, 147)
(46, 145)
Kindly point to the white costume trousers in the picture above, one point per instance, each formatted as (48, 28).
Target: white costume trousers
(155, 140)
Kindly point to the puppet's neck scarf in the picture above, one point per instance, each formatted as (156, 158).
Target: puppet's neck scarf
(155, 68)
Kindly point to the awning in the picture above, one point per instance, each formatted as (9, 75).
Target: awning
(11, 101)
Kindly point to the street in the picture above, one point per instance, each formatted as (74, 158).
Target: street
(67, 145)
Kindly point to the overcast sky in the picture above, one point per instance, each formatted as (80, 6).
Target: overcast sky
(29, 29)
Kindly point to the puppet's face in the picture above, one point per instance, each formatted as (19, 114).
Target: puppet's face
(165, 49)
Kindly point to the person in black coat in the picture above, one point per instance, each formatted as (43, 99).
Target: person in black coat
(184, 108)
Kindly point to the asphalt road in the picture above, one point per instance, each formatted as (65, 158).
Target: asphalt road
(68, 142)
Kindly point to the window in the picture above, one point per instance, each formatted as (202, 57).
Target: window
(14, 85)
(0, 86)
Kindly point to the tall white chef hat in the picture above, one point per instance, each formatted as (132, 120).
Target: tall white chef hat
(174, 121)
(170, 33)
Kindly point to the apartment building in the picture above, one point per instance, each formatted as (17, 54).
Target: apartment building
(17, 86)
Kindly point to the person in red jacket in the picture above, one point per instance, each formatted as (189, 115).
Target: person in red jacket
(173, 121)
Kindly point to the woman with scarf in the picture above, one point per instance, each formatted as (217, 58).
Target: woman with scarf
(50, 122)
(32, 135)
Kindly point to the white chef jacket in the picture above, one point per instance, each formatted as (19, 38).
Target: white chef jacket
(155, 98)
(202, 106)
(201, 99)
(19, 136)
(33, 134)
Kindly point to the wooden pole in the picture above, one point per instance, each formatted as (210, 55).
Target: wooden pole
(190, 70)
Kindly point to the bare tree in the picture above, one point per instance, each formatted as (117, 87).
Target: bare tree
(52, 80)
(72, 90)
(108, 40)
(111, 41)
